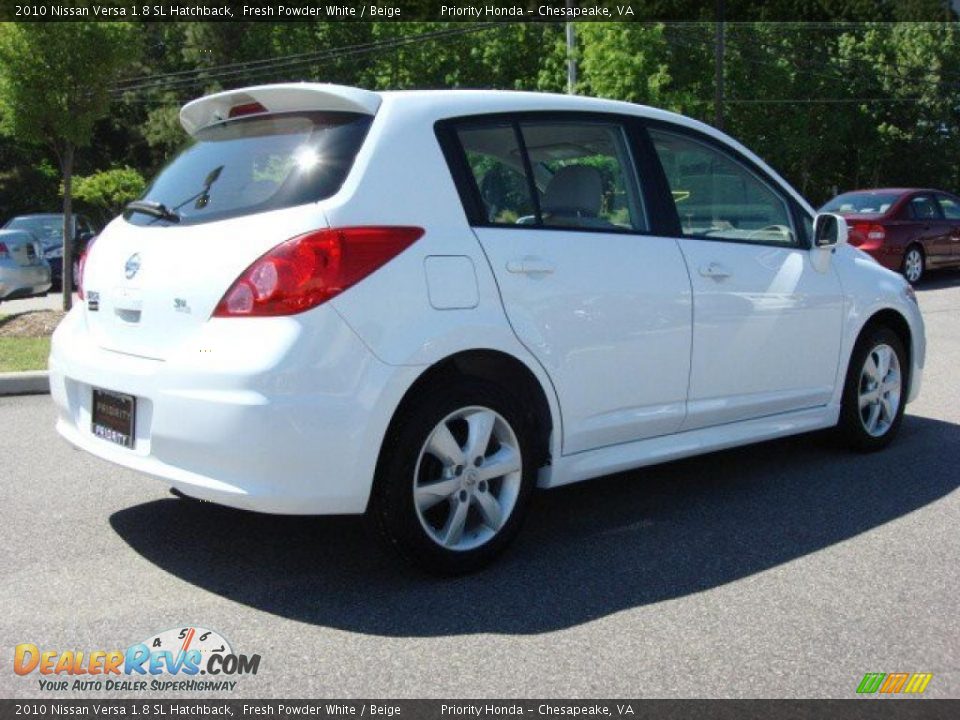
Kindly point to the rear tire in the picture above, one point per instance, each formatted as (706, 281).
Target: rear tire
(454, 478)
(914, 264)
(875, 391)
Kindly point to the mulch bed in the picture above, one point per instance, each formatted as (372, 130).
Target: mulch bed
(39, 323)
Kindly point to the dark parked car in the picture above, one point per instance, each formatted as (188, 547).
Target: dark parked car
(908, 230)
(48, 229)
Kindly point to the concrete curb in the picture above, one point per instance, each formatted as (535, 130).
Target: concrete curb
(35, 382)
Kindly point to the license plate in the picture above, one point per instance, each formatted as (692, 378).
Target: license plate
(113, 417)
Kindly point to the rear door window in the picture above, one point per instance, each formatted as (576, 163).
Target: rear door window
(493, 156)
(924, 207)
(950, 207)
(256, 164)
(559, 173)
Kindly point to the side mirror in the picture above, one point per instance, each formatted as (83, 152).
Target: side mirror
(829, 230)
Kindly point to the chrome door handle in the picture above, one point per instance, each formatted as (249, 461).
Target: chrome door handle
(714, 270)
(530, 266)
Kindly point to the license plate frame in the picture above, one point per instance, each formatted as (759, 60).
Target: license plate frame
(113, 417)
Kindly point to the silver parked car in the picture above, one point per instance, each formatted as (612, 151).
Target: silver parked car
(23, 269)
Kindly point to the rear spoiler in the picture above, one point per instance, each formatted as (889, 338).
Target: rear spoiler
(284, 97)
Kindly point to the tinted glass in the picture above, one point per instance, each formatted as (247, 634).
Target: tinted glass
(48, 229)
(862, 203)
(950, 207)
(718, 197)
(923, 207)
(256, 164)
(584, 175)
(493, 155)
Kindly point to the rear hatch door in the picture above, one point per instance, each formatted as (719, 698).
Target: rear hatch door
(244, 185)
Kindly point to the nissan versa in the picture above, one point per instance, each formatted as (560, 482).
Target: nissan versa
(420, 305)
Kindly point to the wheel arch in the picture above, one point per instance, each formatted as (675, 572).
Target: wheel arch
(895, 320)
(493, 366)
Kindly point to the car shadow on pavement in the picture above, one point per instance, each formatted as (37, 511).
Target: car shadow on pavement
(587, 550)
(938, 280)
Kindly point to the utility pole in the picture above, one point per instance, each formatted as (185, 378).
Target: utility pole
(571, 61)
(718, 67)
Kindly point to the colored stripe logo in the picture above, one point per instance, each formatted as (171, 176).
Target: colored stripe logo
(890, 683)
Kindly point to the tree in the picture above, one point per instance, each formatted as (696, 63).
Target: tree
(55, 81)
(109, 190)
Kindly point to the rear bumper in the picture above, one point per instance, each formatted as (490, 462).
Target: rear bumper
(24, 281)
(290, 422)
(889, 256)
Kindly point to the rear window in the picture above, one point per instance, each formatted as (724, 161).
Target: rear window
(256, 164)
(47, 229)
(861, 203)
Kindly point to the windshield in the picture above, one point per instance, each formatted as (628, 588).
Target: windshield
(256, 164)
(48, 230)
(862, 203)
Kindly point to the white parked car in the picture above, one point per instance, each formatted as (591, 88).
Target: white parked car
(421, 305)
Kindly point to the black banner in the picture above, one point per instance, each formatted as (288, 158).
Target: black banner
(476, 11)
(895, 709)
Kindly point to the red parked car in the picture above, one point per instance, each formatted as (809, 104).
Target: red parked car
(908, 230)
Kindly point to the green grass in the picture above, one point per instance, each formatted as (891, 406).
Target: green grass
(23, 353)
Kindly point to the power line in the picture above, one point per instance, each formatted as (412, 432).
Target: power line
(203, 76)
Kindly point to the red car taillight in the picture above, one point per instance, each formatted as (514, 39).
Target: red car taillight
(4, 252)
(81, 264)
(310, 269)
(862, 232)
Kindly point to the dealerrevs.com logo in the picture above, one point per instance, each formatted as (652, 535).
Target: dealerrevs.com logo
(188, 659)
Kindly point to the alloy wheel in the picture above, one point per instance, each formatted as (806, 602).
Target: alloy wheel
(913, 265)
(467, 478)
(879, 390)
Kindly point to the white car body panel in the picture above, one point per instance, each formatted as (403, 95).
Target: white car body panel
(610, 312)
(288, 414)
(190, 263)
(772, 312)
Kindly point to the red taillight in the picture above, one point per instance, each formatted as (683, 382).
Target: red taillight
(80, 267)
(310, 269)
(863, 232)
(252, 108)
(4, 252)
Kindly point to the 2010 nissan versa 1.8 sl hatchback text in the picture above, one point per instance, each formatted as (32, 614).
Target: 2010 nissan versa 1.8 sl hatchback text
(421, 305)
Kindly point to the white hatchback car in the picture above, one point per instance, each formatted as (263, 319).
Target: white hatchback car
(421, 305)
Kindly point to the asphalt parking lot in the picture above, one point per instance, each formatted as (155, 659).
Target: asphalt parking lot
(788, 569)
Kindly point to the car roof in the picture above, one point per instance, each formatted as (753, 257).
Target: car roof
(896, 190)
(37, 215)
(8, 232)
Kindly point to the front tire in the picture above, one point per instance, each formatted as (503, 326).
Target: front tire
(914, 264)
(454, 478)
(875, 392)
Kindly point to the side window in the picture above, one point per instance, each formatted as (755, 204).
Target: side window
(493, 155)
(923, 207)
(583, 176)
(718, 197)
(950, 207)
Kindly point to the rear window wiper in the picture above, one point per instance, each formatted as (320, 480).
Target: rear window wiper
(154, 209)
